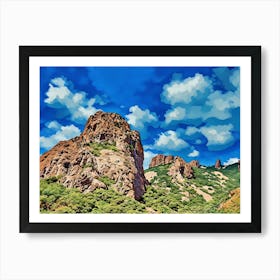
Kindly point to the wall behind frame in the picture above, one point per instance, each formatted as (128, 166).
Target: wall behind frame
(139, 256)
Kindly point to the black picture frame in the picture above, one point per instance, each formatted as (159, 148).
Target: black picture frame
(254, 52)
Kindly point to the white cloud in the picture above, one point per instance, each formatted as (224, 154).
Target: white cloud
(194, 153)
(177, 92)
(191, 130)
(53, 125)
(64, 133)
(235, 78)
(195, 98)
(142, 119)
(175, 114)
(217, 105)
(101, 100)
(231, 161)
(148, 155)
(59, 95)
(218, 134)
(221, 103)
(170, 141)
(139, 117)
(60, 82)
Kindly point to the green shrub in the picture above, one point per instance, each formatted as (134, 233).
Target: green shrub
(55, 198)
(96, 148)
(106, 180)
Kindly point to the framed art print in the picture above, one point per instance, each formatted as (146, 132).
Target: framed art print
(140, 138)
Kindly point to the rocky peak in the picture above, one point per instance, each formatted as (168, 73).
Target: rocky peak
(218, 164)
(106, 151)
(105, 127)
(160, 160)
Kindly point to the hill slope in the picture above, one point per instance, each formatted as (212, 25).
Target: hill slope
(204, 193)
(210, 191)
(101, 171)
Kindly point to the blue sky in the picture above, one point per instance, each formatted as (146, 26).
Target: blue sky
(192, 112)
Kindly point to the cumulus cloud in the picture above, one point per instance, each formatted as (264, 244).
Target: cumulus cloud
(235, 78)
(194, 153)
(218, 135)
(231, 161)
(53, 125)
(221, 103)
(182, 92)
(148, 155)
(175, 114)
(63, 133)
(218, 105)
(142, 119)
(191, 130)
(194, 98)
(170, 141)
(61, 95)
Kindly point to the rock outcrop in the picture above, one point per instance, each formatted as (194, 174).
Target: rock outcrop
(160, 160)
(179, 168)
(218, 164)
(107, 154)
(194, 163)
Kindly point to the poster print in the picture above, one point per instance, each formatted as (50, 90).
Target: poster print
(141, 140)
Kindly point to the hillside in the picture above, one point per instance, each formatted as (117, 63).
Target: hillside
(210, 191)
(101, 171)
(204, 193)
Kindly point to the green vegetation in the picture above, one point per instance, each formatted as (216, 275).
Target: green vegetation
(88, 165)
(55, 198)
(53, 179)
(106, 180)
(163, 195)
(96, 148)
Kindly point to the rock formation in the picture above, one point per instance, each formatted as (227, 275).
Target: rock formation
(178, 170)
(107, 154)
(160, 160)
(238, 165)
(194, 163)
(218, 164)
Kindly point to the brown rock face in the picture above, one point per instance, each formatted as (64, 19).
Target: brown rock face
(194, 163)
(160, 160)
(106, 151)
(218, 164)
(180, 169)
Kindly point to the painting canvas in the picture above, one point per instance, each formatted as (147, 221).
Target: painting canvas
(140, 140)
